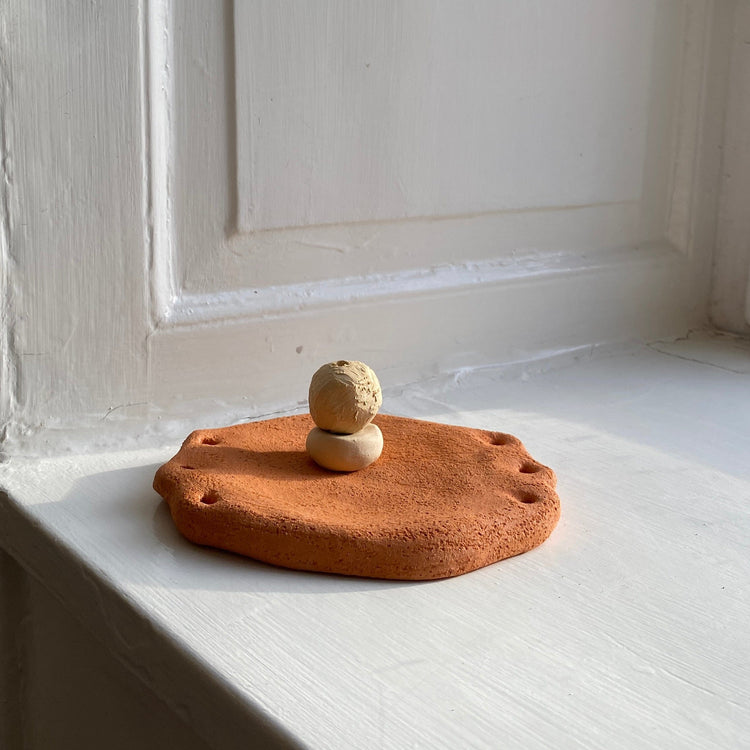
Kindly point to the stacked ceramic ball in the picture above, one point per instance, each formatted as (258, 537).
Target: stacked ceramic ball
(344, 397)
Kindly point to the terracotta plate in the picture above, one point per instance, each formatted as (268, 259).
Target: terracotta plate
(441, 500)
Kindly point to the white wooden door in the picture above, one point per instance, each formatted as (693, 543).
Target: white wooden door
(204, 201)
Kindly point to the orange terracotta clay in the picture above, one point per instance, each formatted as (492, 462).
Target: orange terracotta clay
(441, 500)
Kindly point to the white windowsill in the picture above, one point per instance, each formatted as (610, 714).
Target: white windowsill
(627, 628)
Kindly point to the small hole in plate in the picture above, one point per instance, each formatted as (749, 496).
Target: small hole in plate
(528, 498)
(211, 497)
(499, 438)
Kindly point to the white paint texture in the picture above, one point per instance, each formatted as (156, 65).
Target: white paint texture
(73, 212)
(627, 628)
(500, 181)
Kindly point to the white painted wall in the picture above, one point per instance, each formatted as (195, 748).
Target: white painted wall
(204, 201)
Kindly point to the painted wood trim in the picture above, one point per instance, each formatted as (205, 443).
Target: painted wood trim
(157, 95)
(730, 294)
(276, 301)
(518, 316)
(74, 314)
(698, 25)
(173, 306)
(8, 364)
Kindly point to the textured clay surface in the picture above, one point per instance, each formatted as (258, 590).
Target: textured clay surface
(440, 501)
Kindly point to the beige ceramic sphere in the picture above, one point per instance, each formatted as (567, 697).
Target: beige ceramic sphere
(344, 396)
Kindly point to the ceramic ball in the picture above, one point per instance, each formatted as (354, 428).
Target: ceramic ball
(344, 396)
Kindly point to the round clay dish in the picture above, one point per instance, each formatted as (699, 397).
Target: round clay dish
(440, 501)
